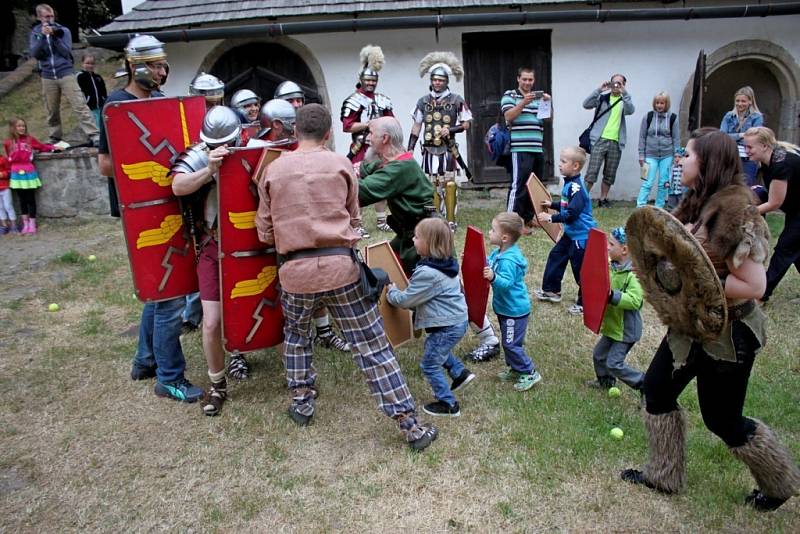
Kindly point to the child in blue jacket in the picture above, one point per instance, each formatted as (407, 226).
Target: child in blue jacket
(575, 213)
(510, 300)
(434, 291)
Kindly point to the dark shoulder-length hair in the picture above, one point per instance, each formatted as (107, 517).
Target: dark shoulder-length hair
(719, 166)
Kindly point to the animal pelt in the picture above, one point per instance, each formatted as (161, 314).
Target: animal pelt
(770, 463)
(734, 227)
(448, 60)
(371, 57)
(666, 468)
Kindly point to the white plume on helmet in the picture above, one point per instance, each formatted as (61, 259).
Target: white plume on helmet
(372, 58)
(442, 61)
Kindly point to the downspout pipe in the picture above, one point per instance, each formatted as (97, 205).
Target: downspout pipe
(436, 22)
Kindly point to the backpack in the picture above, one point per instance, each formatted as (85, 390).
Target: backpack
(651, 114)
(498, 141)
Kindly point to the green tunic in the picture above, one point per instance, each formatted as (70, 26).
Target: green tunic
(407, 191)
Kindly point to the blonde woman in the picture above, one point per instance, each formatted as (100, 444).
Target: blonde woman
(659, 145)
(744, 115)
(780, 164)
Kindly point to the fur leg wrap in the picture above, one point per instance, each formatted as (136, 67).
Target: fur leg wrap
(666, 469)
(770, 463)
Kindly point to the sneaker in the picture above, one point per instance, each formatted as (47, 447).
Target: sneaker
(484, 352)
(329, 340)
(462, 380)
(188, 327)
(598, 384)
(180, 390)
(299, 418)
(526, 382)
(383, 226)
(575, 309)
(442, 408)
(762, 503)
(548, 296)
(363, 232)
(238, 367)
(422, 442)
(4, 230)
(216, 396)
(509, 375)
(139, 372)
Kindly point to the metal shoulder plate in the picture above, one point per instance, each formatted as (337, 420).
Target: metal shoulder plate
(383, 102)
(355, 102)
(192, 159)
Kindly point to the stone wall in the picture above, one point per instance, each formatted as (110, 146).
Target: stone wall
(71, 184)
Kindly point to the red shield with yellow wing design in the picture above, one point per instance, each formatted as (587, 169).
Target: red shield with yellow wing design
(252, 318)
(145, 137)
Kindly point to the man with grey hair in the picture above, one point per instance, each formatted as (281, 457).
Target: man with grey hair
(51, 44)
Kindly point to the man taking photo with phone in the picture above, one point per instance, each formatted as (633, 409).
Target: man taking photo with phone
(520, 108)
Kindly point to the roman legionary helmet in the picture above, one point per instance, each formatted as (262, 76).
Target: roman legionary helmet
(288, 90)
(372, 61)
(441, 65)
(208, 86)
(278, 110)
(142, 49)
(242, 98)
(221, 126)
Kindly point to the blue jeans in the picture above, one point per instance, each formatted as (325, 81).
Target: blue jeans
(439, 355)
(193, 311)
(565, 250)
(512, 336)
(750, 169)
(159, 339)
(663, 169)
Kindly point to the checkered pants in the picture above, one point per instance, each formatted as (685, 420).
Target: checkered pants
(607, 153)
(362, 327)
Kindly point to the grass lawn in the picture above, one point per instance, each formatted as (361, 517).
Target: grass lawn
(86, 449)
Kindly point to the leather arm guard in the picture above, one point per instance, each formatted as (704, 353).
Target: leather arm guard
(456, 129)
(412, 142)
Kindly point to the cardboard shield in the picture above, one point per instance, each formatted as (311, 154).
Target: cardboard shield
(145, 137)
(539, 193)
(476, 287)
(677, 276)
(595, 280)
(397, 322)
(252, 318)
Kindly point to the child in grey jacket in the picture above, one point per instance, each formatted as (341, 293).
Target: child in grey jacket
(434, 291)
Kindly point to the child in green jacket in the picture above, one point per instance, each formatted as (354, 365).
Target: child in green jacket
(622, 323)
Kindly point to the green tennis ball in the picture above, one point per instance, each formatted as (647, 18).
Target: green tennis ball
(614, 392)
(617, 433)
(53, 307)
(92, 257)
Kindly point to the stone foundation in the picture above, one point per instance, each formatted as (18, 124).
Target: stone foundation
(71, 184)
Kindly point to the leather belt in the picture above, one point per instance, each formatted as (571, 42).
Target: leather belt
(316, 253)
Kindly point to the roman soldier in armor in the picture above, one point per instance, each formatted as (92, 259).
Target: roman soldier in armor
(361, 107)
(277, 119)
(438, 116)
(292, 93)
(246, 104)
(208, 86)
(194, 177)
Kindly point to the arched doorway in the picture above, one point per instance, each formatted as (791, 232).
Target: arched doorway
(768, 68)
(262, 64)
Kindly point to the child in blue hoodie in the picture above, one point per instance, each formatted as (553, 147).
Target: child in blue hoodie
(434, 291)
(575, 213)
(510, 300)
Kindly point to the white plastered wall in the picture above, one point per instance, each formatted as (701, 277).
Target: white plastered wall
(655, 56)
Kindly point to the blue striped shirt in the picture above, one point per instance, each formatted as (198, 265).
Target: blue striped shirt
(527, 129)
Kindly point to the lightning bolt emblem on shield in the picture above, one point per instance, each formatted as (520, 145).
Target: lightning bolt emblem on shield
(165, 263)
(258, 318)
(144, 139)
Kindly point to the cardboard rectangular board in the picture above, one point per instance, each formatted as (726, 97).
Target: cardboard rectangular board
(397, 322)
(595, 280)
(539, 193)
(476, 287)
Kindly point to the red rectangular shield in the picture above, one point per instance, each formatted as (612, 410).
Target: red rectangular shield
(476, 287)
(539, 193)
(252, 318)
(145, 137)
(595, 280)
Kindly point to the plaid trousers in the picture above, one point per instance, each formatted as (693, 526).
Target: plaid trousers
(362, 327)
(608, 152)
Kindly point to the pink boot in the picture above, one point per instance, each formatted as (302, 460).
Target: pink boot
(25, 226)
(31, 225)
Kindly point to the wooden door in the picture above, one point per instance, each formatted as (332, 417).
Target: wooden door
(261, 67)
(491, 60)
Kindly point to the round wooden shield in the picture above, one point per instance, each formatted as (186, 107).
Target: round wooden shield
(678, 277)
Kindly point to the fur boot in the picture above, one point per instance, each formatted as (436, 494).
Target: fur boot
(666, 469)
(770, 463)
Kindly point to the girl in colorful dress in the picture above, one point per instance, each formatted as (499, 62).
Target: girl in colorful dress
(25, 180)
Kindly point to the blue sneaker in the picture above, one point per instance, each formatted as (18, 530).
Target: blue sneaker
(180, 390)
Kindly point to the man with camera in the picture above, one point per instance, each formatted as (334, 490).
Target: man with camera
(51, 44)
(611, 102)
(520, 108)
